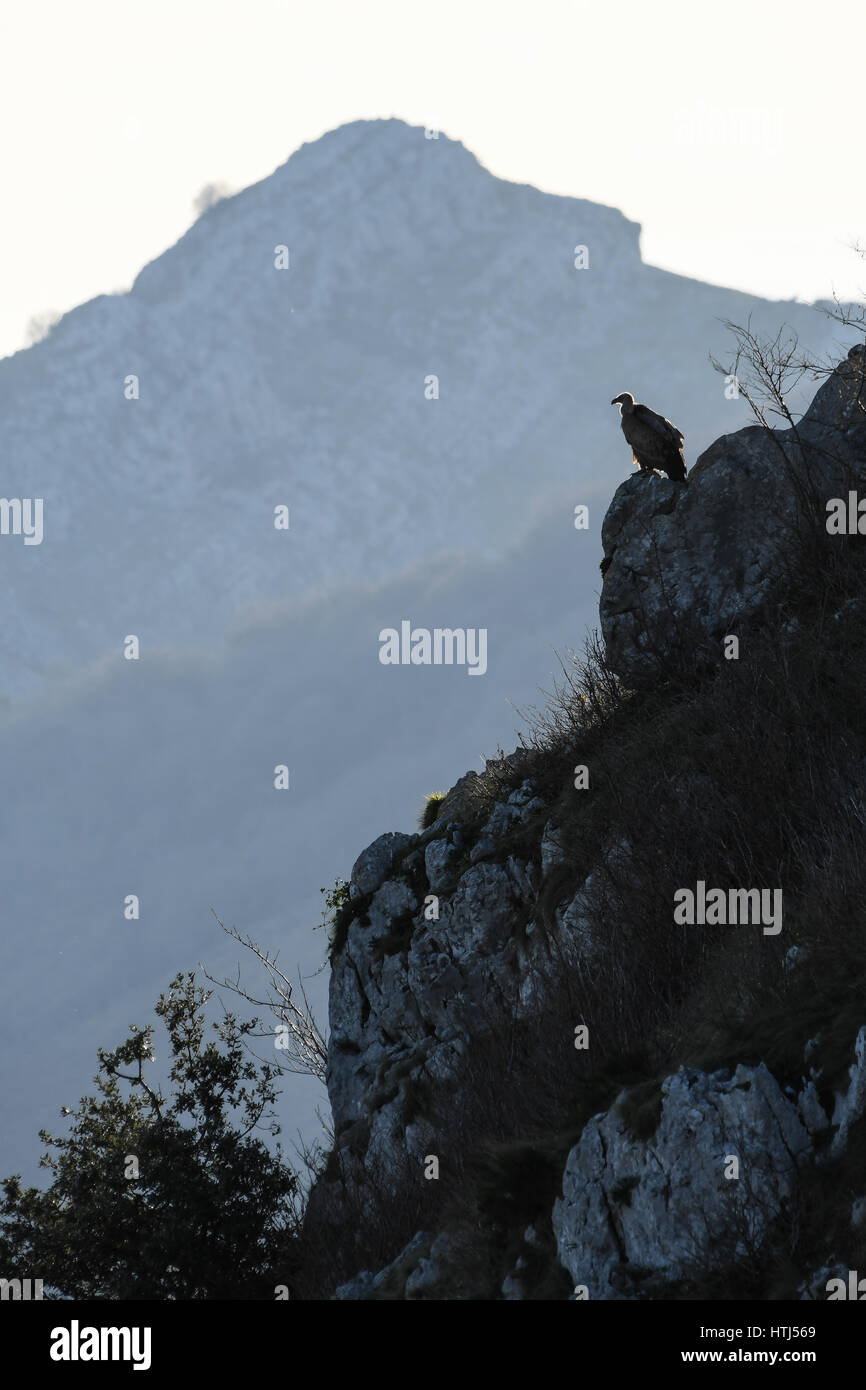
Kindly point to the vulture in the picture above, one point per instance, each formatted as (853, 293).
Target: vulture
(655, 442)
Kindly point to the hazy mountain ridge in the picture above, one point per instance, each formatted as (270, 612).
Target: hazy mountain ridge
(306, 387)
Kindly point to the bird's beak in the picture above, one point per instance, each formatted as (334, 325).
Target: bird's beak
(614, 401)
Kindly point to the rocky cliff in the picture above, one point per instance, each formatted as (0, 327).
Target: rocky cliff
(543, 1084)
(692, 562)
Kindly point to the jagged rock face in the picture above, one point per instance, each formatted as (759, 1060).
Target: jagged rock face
(850, 1105)
(373, 864)
(638, 1212)
(649, 1197)
(434, 955)
(421, 1271)
(634, 1208)
(689, 560)
(368, 1285)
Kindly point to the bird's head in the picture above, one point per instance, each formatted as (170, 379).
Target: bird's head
(625, 399)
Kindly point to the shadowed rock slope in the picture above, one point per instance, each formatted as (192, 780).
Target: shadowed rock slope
(541, 1081)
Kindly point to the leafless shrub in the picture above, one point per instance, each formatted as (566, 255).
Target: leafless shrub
(770, 371)
(302, 1048)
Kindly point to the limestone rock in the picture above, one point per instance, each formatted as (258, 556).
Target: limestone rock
(391, 1279)
(406, 991)
(811, 1110)
(439, 859)
(373, 864)
(851, 1105)
(636, 1208)
(685, 563)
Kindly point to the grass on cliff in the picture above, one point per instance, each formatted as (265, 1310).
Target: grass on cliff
(751, 776)
(430, 810)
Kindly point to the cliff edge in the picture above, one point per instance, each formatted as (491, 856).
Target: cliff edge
(599, 1029)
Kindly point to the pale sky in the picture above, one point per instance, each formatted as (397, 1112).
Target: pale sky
(731, 132)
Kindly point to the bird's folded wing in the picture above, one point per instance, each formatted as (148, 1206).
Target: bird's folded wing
(662, 427)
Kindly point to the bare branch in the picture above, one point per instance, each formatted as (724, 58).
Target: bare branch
(303, 1046)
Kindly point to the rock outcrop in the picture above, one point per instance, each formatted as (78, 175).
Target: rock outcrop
(436, 951)
(702, 1190)
(472, 927)
(671, 1181)
(686, 563)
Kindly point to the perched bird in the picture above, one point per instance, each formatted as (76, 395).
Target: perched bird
(655, 442)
